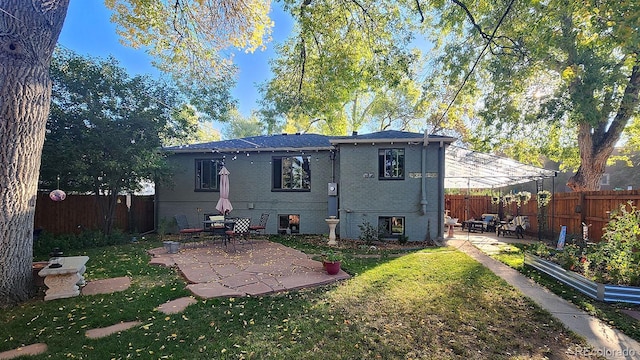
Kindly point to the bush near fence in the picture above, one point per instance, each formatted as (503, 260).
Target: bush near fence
(569, 209)
(79, 213)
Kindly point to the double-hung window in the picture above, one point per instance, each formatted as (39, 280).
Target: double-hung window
(292, 173)
(207, 178)
(391, 164)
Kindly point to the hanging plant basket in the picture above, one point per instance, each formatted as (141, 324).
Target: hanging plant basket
(544, 198)
(522, 198)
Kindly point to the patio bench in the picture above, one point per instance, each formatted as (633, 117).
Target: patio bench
(64, 281)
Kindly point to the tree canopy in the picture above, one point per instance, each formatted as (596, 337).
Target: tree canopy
(559, 68)
(339, 50)
(191, 39)
(105, 129)
(240, 126)
(187, 38)
(528, 79)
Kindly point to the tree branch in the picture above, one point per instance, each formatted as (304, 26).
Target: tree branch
(472, 19)
(490, 39)
(629, 102)
(420, 11)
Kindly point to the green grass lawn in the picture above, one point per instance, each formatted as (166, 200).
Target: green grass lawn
(428, 304)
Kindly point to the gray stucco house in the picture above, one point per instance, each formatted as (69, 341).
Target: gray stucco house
(392, 180)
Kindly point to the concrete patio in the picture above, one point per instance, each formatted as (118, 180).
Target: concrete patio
(215, 270)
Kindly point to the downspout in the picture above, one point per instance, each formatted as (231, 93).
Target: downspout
(441, 175)
(423, 179)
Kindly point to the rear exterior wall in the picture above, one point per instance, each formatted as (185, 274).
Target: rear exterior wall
(251, 190)
(365, 198)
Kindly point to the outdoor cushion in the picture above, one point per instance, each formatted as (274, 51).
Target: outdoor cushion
(219, 221)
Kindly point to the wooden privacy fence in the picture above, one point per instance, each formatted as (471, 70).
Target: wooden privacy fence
(78, 212)
(592, 208)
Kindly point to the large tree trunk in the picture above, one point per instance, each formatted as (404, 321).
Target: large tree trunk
(30, 30)
(593, 160)
(596, 143)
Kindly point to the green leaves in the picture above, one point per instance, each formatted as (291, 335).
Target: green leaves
(105, 129)
(191, 37)
(553, 65)
(340, 52)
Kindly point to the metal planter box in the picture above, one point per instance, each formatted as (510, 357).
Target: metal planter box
(602, 292)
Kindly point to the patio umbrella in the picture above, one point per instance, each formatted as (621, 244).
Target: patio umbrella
(224, 205)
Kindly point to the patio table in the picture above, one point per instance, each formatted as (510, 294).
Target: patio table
(228, 225)
(473, 225)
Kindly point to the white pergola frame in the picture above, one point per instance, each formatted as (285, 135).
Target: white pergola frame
(468, 169)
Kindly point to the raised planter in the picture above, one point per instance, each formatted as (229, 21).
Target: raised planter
(602, 292)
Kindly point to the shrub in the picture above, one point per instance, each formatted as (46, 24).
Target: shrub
(540, 250)
(332, 256)
(615, 259)
(368, 233)
(402, 239)
(66, 242)
(164, 225)
(570, 257)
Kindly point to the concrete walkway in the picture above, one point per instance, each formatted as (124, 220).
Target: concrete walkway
(606, 341)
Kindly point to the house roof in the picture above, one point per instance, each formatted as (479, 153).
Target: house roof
(261, 143)
(300, 141)
(390, 136)
(463, 168)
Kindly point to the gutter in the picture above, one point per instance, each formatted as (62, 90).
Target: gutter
(187, 149)
(415, 140)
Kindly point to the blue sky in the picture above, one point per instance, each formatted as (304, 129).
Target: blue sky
(88, 31)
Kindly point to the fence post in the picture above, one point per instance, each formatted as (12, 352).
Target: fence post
(583, 214)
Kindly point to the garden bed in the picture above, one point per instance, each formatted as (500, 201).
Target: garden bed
(597, 291)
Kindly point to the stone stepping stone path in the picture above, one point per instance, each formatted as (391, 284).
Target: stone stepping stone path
(30, 350)
(177, 305)
(170, 307)
(214, 271)
(106, 286)
(103, 287)
(106, 331)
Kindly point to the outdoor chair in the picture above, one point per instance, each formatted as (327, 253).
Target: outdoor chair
(489, 221)
(240, 232)
(186, 231)
(262, 224)
(516, 227)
